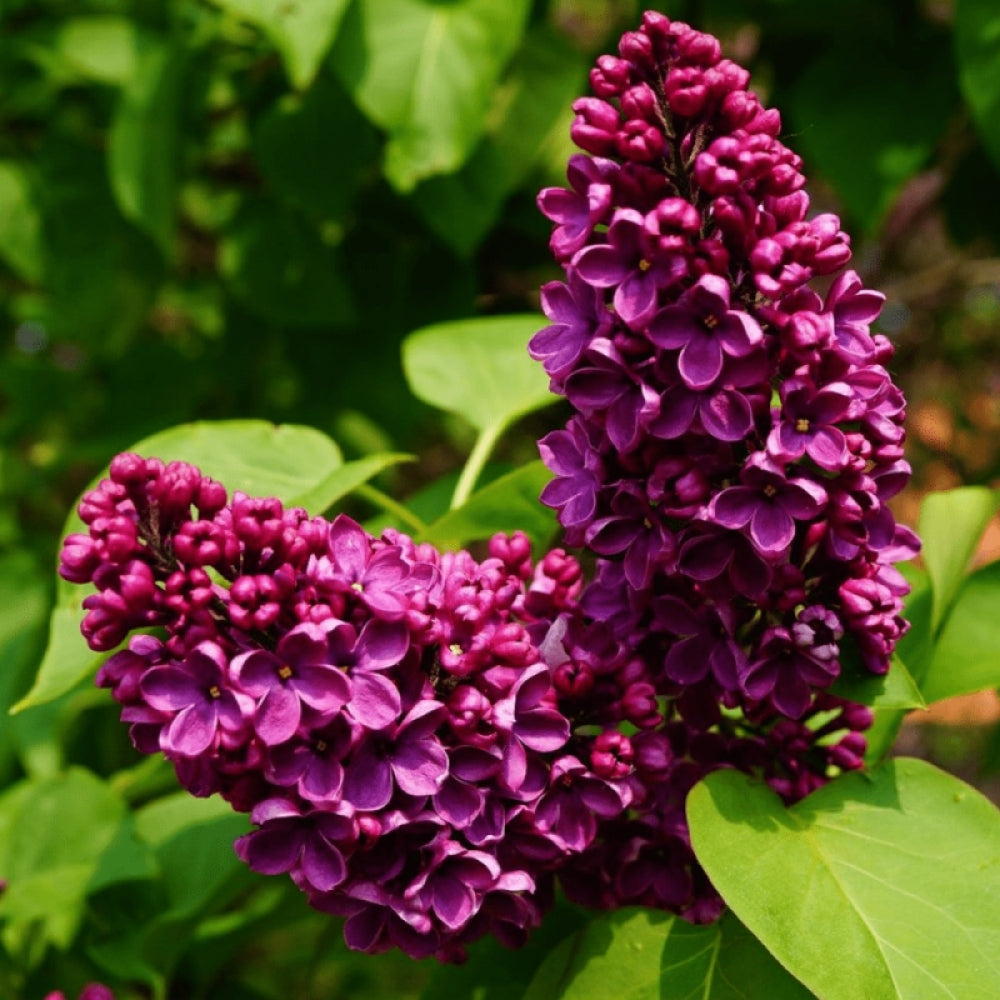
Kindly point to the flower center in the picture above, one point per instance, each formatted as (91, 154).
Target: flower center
(214, 692)
(644, 265)
(285, 671)
(358, 586)
(802, 425)
(320, 746)
(770, 490)
(710, 322)
(456, 649)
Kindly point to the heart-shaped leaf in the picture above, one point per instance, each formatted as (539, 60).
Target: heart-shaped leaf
(877, 885)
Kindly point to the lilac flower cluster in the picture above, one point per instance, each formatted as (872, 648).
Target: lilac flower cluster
(734, 442)
(385, 713)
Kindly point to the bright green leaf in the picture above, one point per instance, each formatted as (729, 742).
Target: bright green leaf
(951, 524)
(144, 148)
(544, 77)
(301, 30)
(102, 48)
(286, 461)
(20, 223)
(647, 955)
(346, 478)
(508, 504)
(977, 48)
(284, 270)
(478, 368)
(967, 652)
(425, 71)
(877, 885)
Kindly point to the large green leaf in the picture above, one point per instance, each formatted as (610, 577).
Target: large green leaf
(545, 76)
(425, 71)
(878, 885)
(508, 504)
(966, 656)
(144, 143)
(478, 369)
(286, 461)
(951, 524)
(648, 955)
(301, 30)
(977, 48)
(21, 245)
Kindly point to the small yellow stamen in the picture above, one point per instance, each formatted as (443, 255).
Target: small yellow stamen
(358, 586)
(320, 746)
(769, 490)
(456, 649)
(802, 425)
(710, 322)
(285, 671)
(644, 265)
(214, 691)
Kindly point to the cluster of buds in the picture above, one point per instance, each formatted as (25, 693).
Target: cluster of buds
(734, 442)
(387, 714)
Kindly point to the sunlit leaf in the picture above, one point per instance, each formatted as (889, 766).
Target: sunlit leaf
(301, 30)
(966, 656)
(478, 369)
(951, 524)
(880, 885)
(103, 48)
(346, 478)
(649, 955)
(425, 72)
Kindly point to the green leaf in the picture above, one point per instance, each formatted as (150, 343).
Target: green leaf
(425, 72)
(977, 48)
(21, 246)
(53, 855)
(102, 48)
(880, 885)
(302, 153)
(479, 369)
(868, 156)
(967, 652)
(896, 689)
(508, 504)
(544, 77)
(144, 144)
(284, 270)
(640, 954)
(301, 30)
(286, 461)
(951, 524)
(346, 478)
